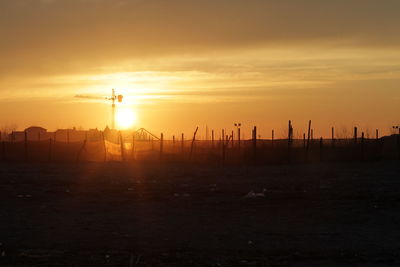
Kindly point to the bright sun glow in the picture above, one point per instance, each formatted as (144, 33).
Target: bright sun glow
(125, 118)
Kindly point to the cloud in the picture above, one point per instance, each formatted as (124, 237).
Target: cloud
(66, 35)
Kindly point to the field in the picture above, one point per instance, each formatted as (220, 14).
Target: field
(124, 214)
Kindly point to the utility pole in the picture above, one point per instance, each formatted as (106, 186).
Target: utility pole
(237, 125)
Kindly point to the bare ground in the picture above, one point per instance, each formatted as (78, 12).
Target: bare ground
(118, 214)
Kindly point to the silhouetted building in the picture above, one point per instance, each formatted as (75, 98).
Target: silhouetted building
(33, 133)
(36, 133)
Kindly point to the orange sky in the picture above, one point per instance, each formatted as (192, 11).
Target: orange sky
(182, 64)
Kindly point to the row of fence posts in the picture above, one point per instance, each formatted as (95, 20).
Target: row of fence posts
(224, 142)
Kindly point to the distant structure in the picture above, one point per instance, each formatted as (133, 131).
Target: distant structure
(113, 98)
(36, 133)
(33, 133)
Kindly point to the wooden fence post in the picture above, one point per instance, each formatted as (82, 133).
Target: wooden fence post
(212, 138)
(104, 146)
(362, 146)
(133, 146)
(272, 138)
(78, 157)
(182, 142)
(355, 135)
(290, 136)
(377, 150)
(232, 138)
(321, 149)
(26, 145)
(255, 143)
(192, 145)
(238, 138)
(122, 146)
(308, 140)
(161, 146)
(223, 146)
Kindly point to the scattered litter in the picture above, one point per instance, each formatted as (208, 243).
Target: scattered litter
(246, 262)
(253, 194)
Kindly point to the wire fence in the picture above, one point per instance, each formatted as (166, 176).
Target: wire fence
(227, 151)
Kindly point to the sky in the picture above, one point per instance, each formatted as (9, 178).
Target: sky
(182, 64)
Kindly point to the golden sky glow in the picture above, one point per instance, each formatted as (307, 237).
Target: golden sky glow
(182, 64)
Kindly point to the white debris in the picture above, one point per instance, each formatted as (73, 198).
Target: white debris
(253, 194)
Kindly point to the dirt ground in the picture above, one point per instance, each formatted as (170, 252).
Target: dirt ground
(119, 214)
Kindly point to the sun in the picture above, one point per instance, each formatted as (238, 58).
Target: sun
(125, 118)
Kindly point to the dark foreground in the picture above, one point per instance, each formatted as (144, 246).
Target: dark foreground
(116, 214)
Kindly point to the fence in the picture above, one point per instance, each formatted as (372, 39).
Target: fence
(223, 151)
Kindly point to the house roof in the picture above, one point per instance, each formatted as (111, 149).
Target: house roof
(37, 128)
